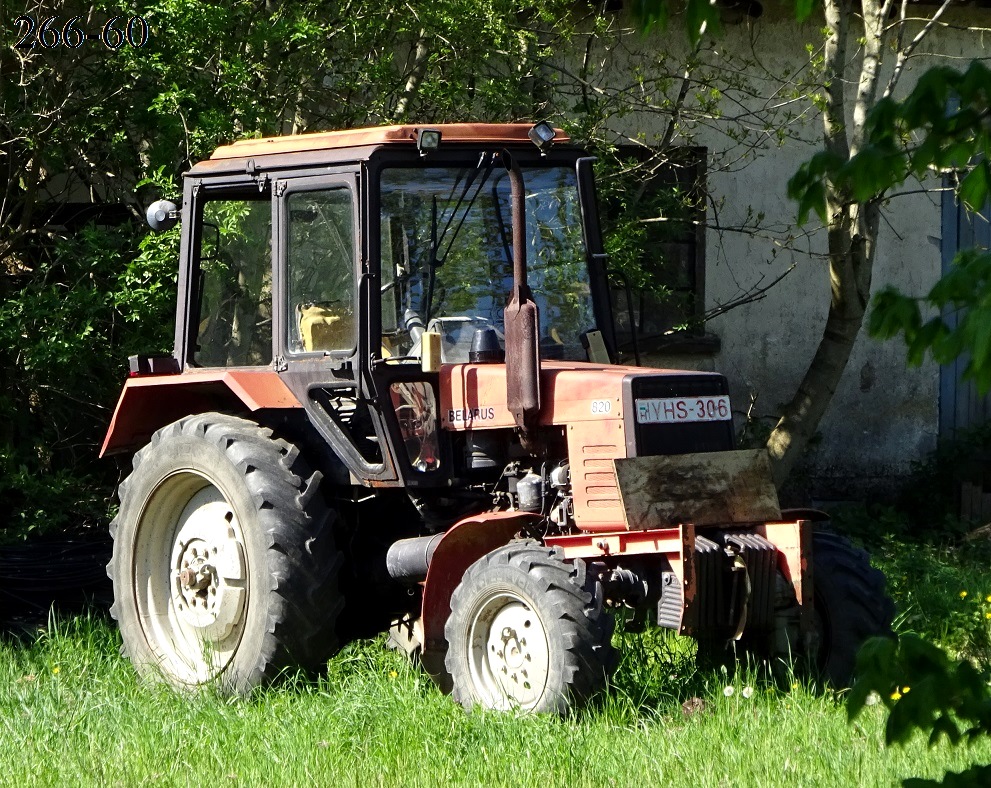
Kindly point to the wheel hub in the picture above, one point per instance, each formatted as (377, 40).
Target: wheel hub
(198, 581)
(510, 661)
(513, 651)
(207, 568)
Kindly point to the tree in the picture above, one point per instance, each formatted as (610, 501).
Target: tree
(89, 134)
(859, 37)
(939, 128)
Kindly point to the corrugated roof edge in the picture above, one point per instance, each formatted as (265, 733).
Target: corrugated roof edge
(349, 138)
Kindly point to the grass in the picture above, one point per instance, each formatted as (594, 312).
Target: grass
(73, 712)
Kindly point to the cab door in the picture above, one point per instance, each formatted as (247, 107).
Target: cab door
(319, 313)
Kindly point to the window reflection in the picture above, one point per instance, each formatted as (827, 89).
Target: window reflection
(416, 411)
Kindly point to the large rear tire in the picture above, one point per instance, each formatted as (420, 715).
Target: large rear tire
(528, 631)
(224, 566)
(851, 605)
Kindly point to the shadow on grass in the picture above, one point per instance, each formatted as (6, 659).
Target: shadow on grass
(48, 575)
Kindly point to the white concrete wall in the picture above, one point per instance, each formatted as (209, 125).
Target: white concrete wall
(884, 415)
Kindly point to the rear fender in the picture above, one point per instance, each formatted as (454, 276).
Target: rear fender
(149, 403)
(462, 545)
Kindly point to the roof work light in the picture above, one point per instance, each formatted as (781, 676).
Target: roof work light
(427, 140)
(542, 135)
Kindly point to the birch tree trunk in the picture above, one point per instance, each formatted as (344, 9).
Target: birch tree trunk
(851, 226)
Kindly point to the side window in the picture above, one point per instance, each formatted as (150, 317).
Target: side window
(664, 261)
(234, 325)
(321, 270)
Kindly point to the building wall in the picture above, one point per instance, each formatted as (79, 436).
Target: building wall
(884, 415)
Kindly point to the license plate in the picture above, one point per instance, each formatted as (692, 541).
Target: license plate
(676, 410)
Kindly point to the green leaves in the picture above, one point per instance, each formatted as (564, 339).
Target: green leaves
(650, 14)
(803, 9)
(701, 16)
(962, 301)
(973, 189)
(943, 124)
(808, 185)
(922, 689)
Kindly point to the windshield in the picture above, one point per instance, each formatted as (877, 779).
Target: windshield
(447, 242)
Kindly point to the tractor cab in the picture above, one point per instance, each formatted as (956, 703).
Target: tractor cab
(356, 263)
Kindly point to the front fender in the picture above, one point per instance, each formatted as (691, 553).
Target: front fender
(463, 544)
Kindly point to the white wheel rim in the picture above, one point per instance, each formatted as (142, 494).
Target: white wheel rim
(190, 577)
(508, 658)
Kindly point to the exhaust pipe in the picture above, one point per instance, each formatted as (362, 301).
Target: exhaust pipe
(521, 317)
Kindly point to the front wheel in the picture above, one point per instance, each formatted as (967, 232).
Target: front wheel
(528, 631)
(224, 567)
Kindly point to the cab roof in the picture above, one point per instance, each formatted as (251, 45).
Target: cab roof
(485, 133)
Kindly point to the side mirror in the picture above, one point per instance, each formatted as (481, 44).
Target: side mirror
(162, 215)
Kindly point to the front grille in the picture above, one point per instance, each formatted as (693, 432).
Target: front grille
(645, 440)
(760, 557)
(721, 587)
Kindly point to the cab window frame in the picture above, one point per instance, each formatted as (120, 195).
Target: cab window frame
(201, 194)
(285, 311)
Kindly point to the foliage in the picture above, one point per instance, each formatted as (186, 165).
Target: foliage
(69, 327)
(701, 16)
(940, 128)
(924, 690)
(89, 126)
(649, 202)
(934, 678)
(962, 323)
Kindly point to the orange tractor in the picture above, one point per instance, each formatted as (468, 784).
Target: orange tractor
(393, 405)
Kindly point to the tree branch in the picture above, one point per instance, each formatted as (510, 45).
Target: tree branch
(905, 53)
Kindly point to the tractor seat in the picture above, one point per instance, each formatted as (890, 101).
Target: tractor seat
(323, 327)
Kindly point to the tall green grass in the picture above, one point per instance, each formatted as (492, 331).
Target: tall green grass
(943, 593)
(73, 712)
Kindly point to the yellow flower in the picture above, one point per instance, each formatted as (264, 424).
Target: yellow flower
(392, 674)
(55, 670)
(988, 599)
(988, 614)
(906, 690)
(963, 594)
(896, 695)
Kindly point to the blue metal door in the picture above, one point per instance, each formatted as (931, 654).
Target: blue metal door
(960, 404)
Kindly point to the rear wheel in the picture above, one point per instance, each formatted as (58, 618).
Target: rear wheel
(851, 605)
(528, 631)
(224, 566)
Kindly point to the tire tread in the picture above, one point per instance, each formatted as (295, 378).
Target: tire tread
(297, 531)
(574, 596)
